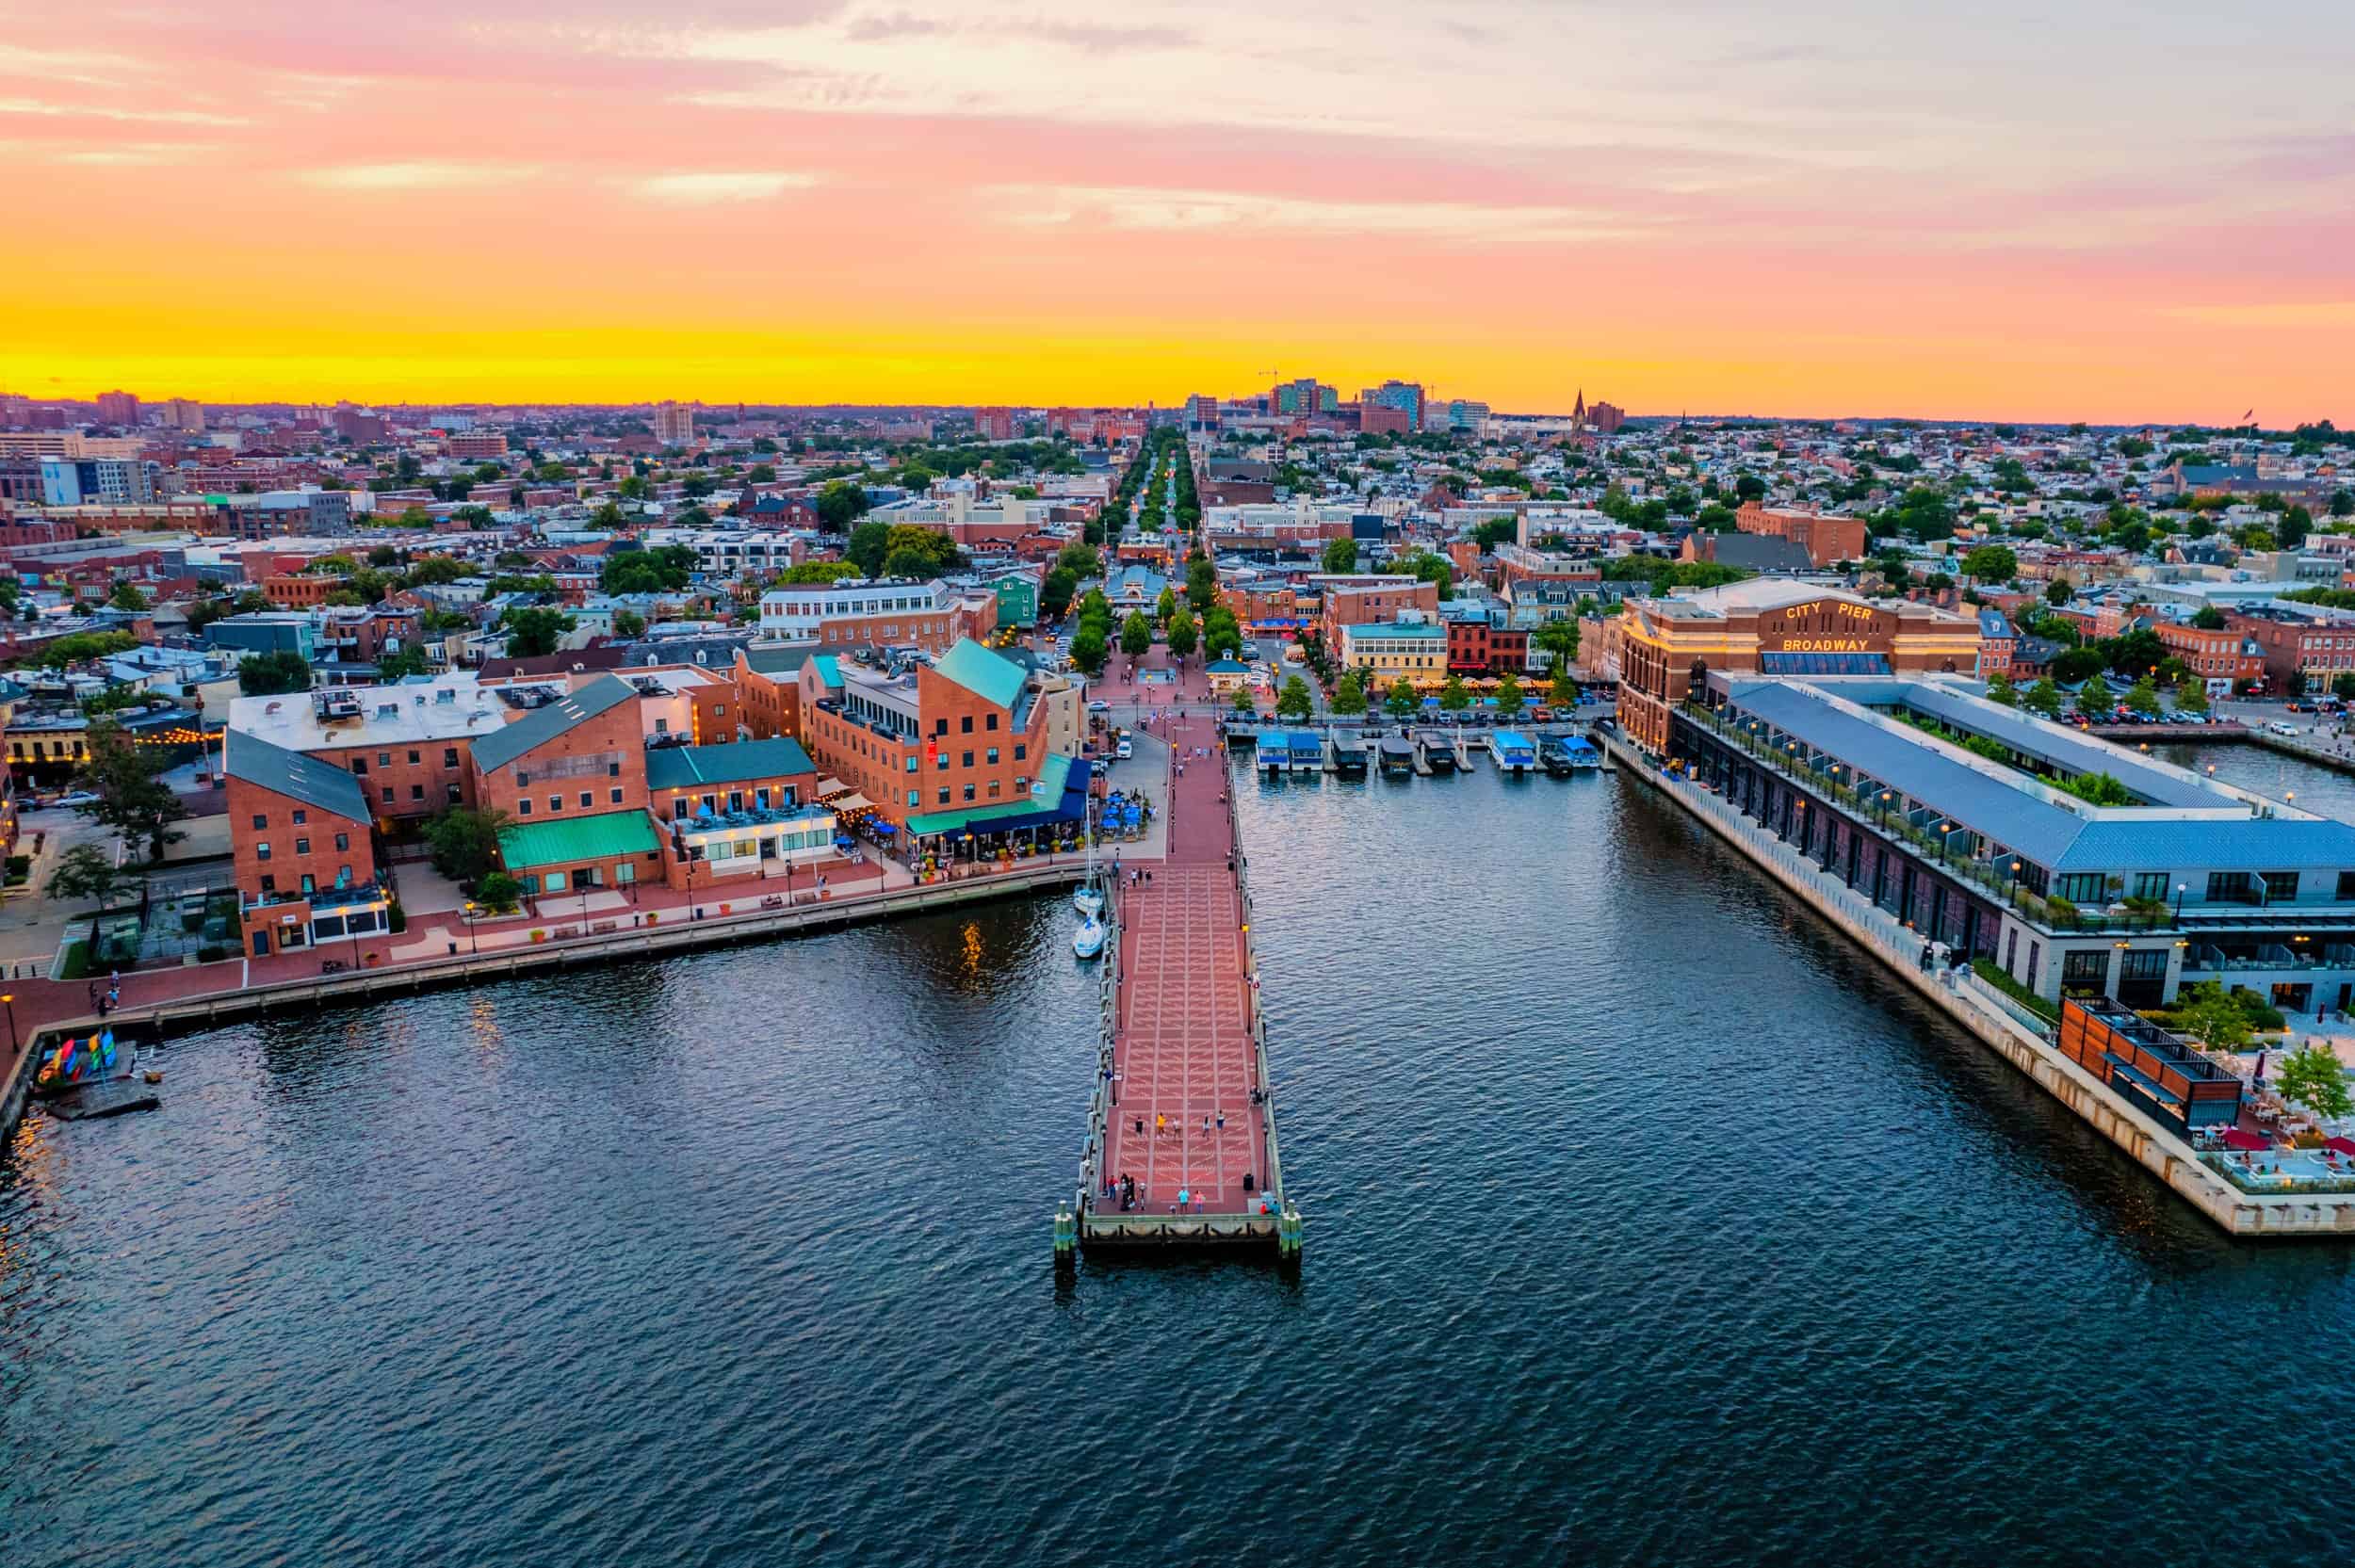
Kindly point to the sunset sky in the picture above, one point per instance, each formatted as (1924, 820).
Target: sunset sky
(2094, 210)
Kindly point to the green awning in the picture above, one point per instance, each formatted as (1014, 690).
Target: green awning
(608, 835)
(1052, 776)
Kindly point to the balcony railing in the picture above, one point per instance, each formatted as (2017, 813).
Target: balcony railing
(2058, 914)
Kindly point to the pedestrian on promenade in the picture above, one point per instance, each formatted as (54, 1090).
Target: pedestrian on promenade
(1222, 1118)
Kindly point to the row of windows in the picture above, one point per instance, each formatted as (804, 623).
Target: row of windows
(947, 796)
(385, 759)
(41, 751)
(309, 883)
(301, 846)
(556, 803)
(2223, 887)
(613, 770)
(964, 725)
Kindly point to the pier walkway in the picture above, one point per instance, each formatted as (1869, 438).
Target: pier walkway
(1186, 1111)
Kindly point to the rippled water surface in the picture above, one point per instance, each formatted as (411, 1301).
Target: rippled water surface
(1648, 1222)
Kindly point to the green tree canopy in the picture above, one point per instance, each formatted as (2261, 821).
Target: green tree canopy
(1340, 555)
(1136, 635)
(2314, 1078)
(535, 631)
(1183, 634)
(464, 844)
(1991, 563)
(1293, 701)
(1509, 699)
(1348, 694)
(273, 674)
(1400, 700)
(1456, 696)
(130, 798)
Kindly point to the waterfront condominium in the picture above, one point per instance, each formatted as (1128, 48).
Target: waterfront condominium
(2077, 866)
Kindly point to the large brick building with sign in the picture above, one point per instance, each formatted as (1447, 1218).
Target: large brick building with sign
(1773, 628)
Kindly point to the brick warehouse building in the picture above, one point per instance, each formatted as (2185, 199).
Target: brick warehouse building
(1824, 538)
(1766, 626)
(571, 774)
(305, 863)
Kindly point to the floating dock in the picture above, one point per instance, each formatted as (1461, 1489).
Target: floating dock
(1183, 1107)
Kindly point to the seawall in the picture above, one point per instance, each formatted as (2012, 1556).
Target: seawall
(205, 1009)
(1986, 1016)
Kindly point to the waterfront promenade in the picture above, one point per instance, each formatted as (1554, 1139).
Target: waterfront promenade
(2000, 1022)
(1186, 1115)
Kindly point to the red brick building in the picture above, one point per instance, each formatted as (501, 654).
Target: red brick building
(768, 688)
(956, 736)
(2221, 655)
(571, 774)
(305, 863)
(1477, 646)
(1826, 539)
(1370, 600)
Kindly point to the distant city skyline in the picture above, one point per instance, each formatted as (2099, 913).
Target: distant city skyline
(2124, 216)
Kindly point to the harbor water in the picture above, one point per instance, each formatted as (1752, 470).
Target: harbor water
(1648, 1222)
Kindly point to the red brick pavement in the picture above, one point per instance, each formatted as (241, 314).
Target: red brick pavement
(1183, 1050)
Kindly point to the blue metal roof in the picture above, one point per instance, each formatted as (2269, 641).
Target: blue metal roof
(1989, 807)
(2050, 833)
(2071, 750)
(2257, 844)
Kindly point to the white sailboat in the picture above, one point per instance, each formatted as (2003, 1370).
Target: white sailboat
(1089, 900)
(1088, 941)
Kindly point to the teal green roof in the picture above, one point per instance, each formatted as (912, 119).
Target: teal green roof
(1053, 774)
(985, 674)
(829, 668)
(607, 835)
(687, 767)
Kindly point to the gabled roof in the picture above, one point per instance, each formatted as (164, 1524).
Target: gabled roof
(981, 673)
(542, 725)
(776, 659)
(314, 782)
(687, 767)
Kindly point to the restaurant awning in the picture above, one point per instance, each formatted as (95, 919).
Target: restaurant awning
(852, 801)
(830, 787)
(2253, 1142)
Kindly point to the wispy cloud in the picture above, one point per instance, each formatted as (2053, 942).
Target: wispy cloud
(427, 175)
(47, 109)
(2327, 313)
(1196, 211)
(706, 190)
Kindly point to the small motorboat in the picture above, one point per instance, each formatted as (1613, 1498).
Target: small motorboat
(1089, 940)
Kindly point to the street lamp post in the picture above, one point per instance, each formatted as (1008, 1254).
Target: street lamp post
(2181, 888)
(474, 946)
(8, 1001)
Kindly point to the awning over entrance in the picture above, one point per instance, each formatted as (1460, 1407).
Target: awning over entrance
(1060, 796)
(607, 835)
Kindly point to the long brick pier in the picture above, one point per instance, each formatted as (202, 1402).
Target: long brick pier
(1182, 1113)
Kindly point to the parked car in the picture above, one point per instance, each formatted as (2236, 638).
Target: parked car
(2279, 728)
(1125, 750)
(1099, 706)
(78, 798)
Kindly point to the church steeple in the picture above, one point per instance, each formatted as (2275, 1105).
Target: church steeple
(1578, 414)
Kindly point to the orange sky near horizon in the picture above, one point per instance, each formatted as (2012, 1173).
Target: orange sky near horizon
(1830, 210)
